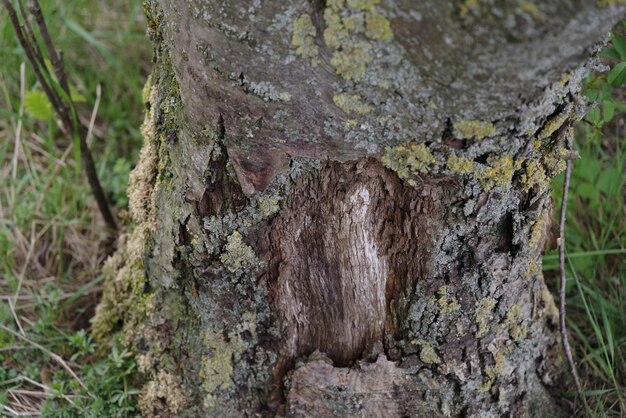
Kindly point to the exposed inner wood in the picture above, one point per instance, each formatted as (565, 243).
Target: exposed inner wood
(345, 254)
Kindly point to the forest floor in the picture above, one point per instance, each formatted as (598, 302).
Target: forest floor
(51, 235)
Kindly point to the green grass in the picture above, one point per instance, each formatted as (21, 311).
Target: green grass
(50, 229)
(596, 250)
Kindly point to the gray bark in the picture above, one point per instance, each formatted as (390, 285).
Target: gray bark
(340, 207)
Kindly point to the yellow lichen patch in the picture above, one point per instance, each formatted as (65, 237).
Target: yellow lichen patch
(303, 38)
(447, 303)
(499, 173)
(428, 354)
(535, 176)
(335, 33)
(565, 77)
(345, 27)
(351, 62)
(553, 125)
(146, 92)
(493, 372)
(407, 160)
(351, 103)
(216, 370)
(514, 323)
(477, 129)
(553, 162)
(378, 27)
(484, 315)
(268, 206)
(460, 164)
(165, 389)
(335, 4)
(538, 231)
(468, 5)
(530, 8)
(363, 4)
(141, 179)
(237, 254)
(606, 3)
(533, 269)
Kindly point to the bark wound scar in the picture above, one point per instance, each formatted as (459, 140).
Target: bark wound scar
(346, 256)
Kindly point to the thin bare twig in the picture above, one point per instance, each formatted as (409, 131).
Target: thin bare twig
(56, 57)
(65, 106)
(31, 34)
(17, 320)
(562, 310)
(31, 54)
(94, 113)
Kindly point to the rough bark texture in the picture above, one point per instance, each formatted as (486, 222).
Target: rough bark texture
(340, 206)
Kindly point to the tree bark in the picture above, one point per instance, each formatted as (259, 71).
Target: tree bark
(340, 206)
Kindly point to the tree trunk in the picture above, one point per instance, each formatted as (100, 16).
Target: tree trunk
(340, 206)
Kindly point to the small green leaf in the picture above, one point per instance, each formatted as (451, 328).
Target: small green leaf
(77, 96)
(37, 105)
(610, 53)
(606, 92)
(591, 94)
(619, 42)
(617, 76)
(608, 110)
(609, 182)
(588, 191)
(593, 116)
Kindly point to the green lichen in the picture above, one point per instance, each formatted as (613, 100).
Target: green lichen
(351, 103)
(216, 370)
(268, 205)
(493, 372)
(351, 62)
(607, 3)
(553, 162)
(514, 323)
(446, 303)
(224, 350)
(363, 4)
(534, 268)
(125, 299)
(537, 231)
(237, 255)
(553, 125)
(460, 164)
(349, 39)
(476, 129)
(408, 160)
(499, 173)
(428, 354)
(146, 91)
(303, 38)
(530, 8)
(378, 27)
(164, 387)
(535, 176)
(467, 6)
(484, 315)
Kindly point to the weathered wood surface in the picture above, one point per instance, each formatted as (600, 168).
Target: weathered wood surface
(340, 206)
